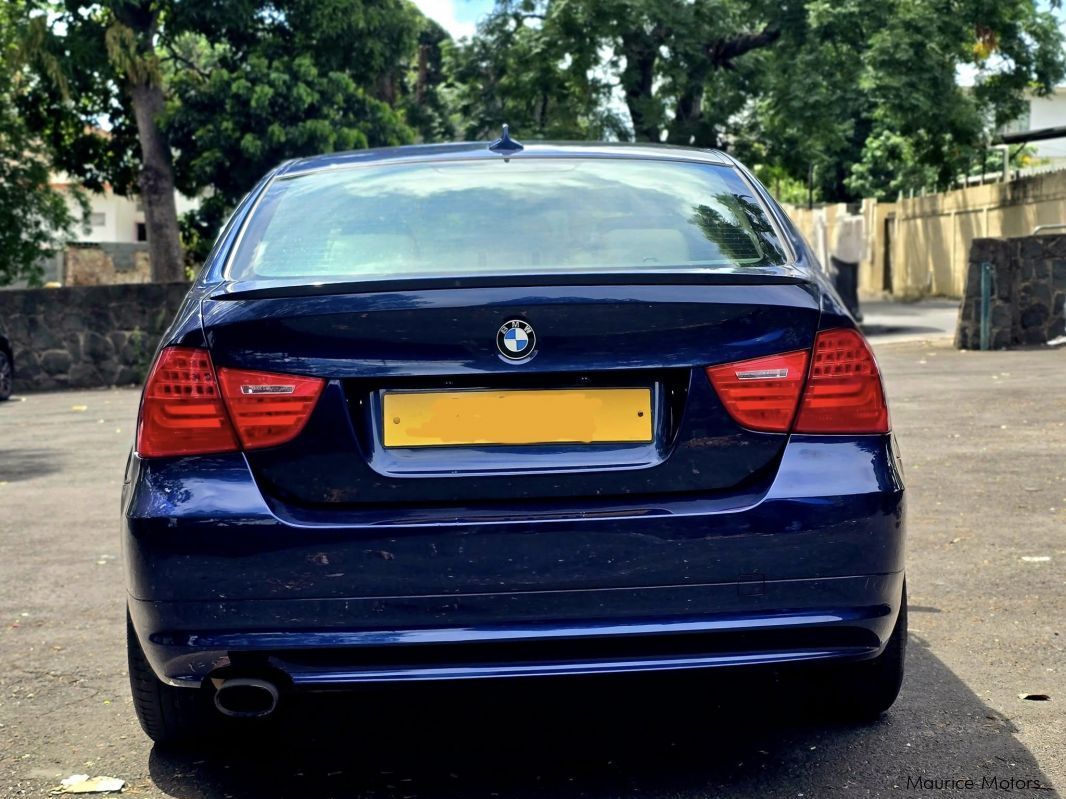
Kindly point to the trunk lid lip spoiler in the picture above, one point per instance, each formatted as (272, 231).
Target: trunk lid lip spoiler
(748, 276)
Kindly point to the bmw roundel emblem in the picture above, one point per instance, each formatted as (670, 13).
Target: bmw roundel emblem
(515, 339)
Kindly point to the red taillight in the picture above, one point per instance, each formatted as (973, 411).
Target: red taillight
(761, 394)
(268, 409)
(186, 411)
(844, 393)
(182, 411)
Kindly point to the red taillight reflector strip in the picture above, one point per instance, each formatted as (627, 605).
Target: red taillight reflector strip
(266, 408)
(182, 411)
(844, 392)
(761, 394)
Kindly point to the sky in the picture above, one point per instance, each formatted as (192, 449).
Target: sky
(458, 17)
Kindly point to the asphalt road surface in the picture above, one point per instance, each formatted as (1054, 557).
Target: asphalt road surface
(984, 441)
(888, 321)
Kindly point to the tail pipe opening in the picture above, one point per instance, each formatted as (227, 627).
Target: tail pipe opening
(246, 698)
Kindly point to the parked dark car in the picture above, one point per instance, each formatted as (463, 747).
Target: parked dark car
(7, 369)
(465, 411)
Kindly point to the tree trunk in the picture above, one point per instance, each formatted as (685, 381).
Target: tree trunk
(688, 113)
(157, 184)
(641, 51)
(423, 73)
(638, 80)
(723, 52)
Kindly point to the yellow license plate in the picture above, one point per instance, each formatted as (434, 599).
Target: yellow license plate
(458, 418)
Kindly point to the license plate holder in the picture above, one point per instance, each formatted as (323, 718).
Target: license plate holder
(479, 417)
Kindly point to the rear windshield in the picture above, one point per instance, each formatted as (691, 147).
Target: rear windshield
(521, 216)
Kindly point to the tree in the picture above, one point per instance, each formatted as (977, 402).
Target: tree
(868, 94)
(207, 95)
(863, 96)
(541, 80)
(552, 65)
(249, 91)
(100, 61)
(426, 105)
(34, 218)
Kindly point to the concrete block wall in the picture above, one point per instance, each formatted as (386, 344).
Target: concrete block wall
(919, 246)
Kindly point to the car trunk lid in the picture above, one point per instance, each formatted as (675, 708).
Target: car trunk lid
(596, 341)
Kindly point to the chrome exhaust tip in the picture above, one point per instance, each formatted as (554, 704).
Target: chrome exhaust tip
(246, 698)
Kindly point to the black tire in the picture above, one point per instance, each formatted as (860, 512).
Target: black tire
(865, 690)
(7, 376)
(168, 715)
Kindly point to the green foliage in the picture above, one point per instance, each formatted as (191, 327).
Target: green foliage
(298, 79)
(231, 128)
(35, 219)
(247, 85)
(608, 68)
(864, 93)
(862, 97)
(425, 103)
(538, 75)
(890, 165)
(781, 184)
(142, 347)
(869, 93)
(98, 64)
(72, 89)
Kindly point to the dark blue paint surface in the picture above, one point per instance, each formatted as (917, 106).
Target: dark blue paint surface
(660, 336)
(333, 560)
(213, 566)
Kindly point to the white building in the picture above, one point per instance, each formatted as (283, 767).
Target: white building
(116, 223)
(1044, 112)
(114, 219)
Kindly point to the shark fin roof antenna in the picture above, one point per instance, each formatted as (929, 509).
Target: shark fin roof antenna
(505, 145)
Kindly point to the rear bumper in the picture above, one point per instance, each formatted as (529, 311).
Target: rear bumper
(810, 568)
(330, 643)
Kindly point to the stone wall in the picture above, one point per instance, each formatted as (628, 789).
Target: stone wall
(1028, 292)
(106, 264)
(86, 336)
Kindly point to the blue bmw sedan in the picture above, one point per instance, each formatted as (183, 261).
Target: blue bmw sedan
(491, 410)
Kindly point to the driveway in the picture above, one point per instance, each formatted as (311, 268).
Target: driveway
(984, 441)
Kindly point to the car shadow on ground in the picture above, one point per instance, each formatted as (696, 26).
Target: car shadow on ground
(24, 464)
(664, 735)
(897, 330)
